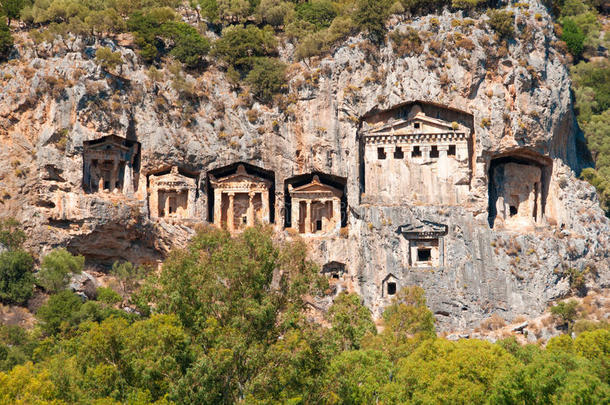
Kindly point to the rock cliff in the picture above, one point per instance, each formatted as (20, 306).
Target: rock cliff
(54, 98)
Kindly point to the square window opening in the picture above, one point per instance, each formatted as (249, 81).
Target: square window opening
(380, 153)
(434, 152)
(416, 152)
(391, 288)
(244, 219)
(424, 254)
(318, 225)
(512, 210)
(416, 125)
(398, 153)
(451, 151)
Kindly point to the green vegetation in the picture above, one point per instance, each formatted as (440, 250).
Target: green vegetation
(225, 322)
(583, 33)
(502, 21)
(56, 269)
(16, 265)
(6, 39)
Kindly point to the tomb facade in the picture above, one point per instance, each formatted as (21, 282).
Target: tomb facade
(111, 164)
(172, 195)
(415, 154)
(426, 243)
(516, 194)
(389, 286)
(315, 207)
(240, 200)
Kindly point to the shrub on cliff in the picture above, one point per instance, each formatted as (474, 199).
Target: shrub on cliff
(502, 22)
(239, 45)
(6, 39)
(267, 78)
(370, 16)
(16, 278)
(56, 269)
(573, 36)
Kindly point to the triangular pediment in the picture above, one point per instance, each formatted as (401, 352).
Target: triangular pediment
(417, 124)
(174, 177)
(241, 177)
(423, 228)
(316, 187)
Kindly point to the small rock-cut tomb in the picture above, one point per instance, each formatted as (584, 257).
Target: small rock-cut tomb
(415, 154)
(426, 243)
(109, 164)
(315, 207)
(172, 195)
(240, 200)
(518, 187)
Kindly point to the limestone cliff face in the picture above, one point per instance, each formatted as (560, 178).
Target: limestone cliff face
(54, 99)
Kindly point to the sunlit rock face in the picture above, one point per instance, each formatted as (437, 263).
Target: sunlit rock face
(418, 216)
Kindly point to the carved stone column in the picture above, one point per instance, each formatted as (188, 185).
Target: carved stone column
(217, 216)
(114, 176)
(250, 212)
(265, 206)
(295, 213)
(166, 204)
(337, 213)
(128, 180)
(308, 217)
(153, 202)
(231, 213)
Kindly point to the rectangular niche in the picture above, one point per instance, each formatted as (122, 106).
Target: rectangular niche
(426, 243)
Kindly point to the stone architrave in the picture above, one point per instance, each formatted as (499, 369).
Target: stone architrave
(108, 164)
(322, 203)
(172, 195)
(415, 158)
(240, 187)
(426, 243)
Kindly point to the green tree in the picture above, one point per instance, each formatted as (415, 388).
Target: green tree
(566, 311)
(56, 269)
(320, 13)
(6, 40)
(12, 9)
(267, 78)
(16, 278)
(370, 16)
(357, 377)
(439, 371)
(502, 21)
(11, 234)
(350, 320)
(188, 46)
(107, 59)
(551, 377)
(238, 45)
(128, 276)
(573, 36)
(59, 312)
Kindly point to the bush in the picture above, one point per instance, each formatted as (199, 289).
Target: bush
(566, 311)
(59, 312)
(188, 46)
(406, 43)
(267, 78)
(239, 45)
(573, 36)
(371, 15)
(467, 4)
(16, 278)
(56, 269)
(320, 13)
(502, 22)
(6, 39)
(107, 59)
(11, 235)
(108, 296)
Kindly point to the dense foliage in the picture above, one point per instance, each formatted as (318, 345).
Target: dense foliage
(584, 35)
(226, 321)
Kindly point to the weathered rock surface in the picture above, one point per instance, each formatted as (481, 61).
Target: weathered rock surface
(53, 99)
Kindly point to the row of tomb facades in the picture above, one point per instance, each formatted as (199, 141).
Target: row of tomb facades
(414, 153)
